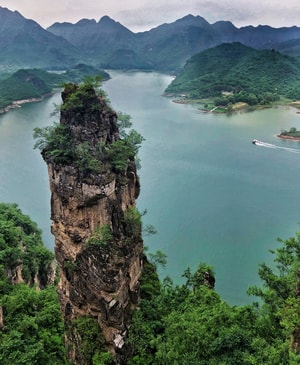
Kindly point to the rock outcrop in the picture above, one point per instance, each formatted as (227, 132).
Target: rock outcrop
(97, 228)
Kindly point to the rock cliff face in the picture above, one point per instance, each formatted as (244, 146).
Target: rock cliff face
(97, 230)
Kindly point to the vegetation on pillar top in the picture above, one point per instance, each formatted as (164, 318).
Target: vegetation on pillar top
(82, 97)
(59, 146)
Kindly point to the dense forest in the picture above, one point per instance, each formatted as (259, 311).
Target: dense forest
(175, 324)
(31, 329)
(232, 72)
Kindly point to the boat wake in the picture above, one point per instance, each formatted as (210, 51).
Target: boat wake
(274, 146)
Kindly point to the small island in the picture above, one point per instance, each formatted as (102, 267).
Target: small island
(292, 134)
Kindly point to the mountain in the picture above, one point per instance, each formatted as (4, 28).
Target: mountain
(24, 43)
(235, 68)
(87, 34)
(290, 47)
(264, 36)
(108, 44)
(168, 46)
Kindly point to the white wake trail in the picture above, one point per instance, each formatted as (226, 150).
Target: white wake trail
(270, 145)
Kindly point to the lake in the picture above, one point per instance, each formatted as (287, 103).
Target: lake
(211, 194)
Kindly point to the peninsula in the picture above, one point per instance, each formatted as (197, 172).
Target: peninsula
(232, 75)
(34, 85)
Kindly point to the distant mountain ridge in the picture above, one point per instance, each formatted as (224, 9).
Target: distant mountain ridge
(168, 46)
(24, 42)
(109, 44)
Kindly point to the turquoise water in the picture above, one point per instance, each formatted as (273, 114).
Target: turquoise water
(23, 173)
(212, 196)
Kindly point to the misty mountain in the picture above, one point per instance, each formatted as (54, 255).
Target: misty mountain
(88, 34)
(108, 44)
(168, 46)
(24, 42)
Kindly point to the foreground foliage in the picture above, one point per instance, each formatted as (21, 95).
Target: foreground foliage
(21, 245)
(32, 327)
(190, 324)
(176, 324)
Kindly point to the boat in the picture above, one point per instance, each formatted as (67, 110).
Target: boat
(254, 141)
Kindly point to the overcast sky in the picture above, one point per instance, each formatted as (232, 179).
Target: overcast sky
(139, 15)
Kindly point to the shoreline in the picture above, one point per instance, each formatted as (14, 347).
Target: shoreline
(290, 138)
(237, 107)
(18, 103)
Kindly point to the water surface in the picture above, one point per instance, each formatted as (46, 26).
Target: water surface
(212, 195)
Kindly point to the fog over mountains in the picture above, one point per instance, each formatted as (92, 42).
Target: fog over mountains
(108, 44)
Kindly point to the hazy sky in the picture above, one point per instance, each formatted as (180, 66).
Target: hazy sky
(139, 15)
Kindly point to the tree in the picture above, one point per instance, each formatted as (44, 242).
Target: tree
(33, 327)
(281, 293)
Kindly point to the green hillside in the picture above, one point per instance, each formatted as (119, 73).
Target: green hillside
(36, 83)
(23, 84)
(236, 73)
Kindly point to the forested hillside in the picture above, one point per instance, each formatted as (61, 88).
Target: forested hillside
(190, 324)
(176, 324)
(36, 83)
(233, 72)
(31, 327)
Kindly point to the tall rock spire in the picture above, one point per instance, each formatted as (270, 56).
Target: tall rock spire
(97, 229)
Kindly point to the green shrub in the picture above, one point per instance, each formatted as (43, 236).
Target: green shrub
(132, 222)
(55, 143)
(119, 154)
(91, 342)
(101, 236)
(70, 267)
(80, 98)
